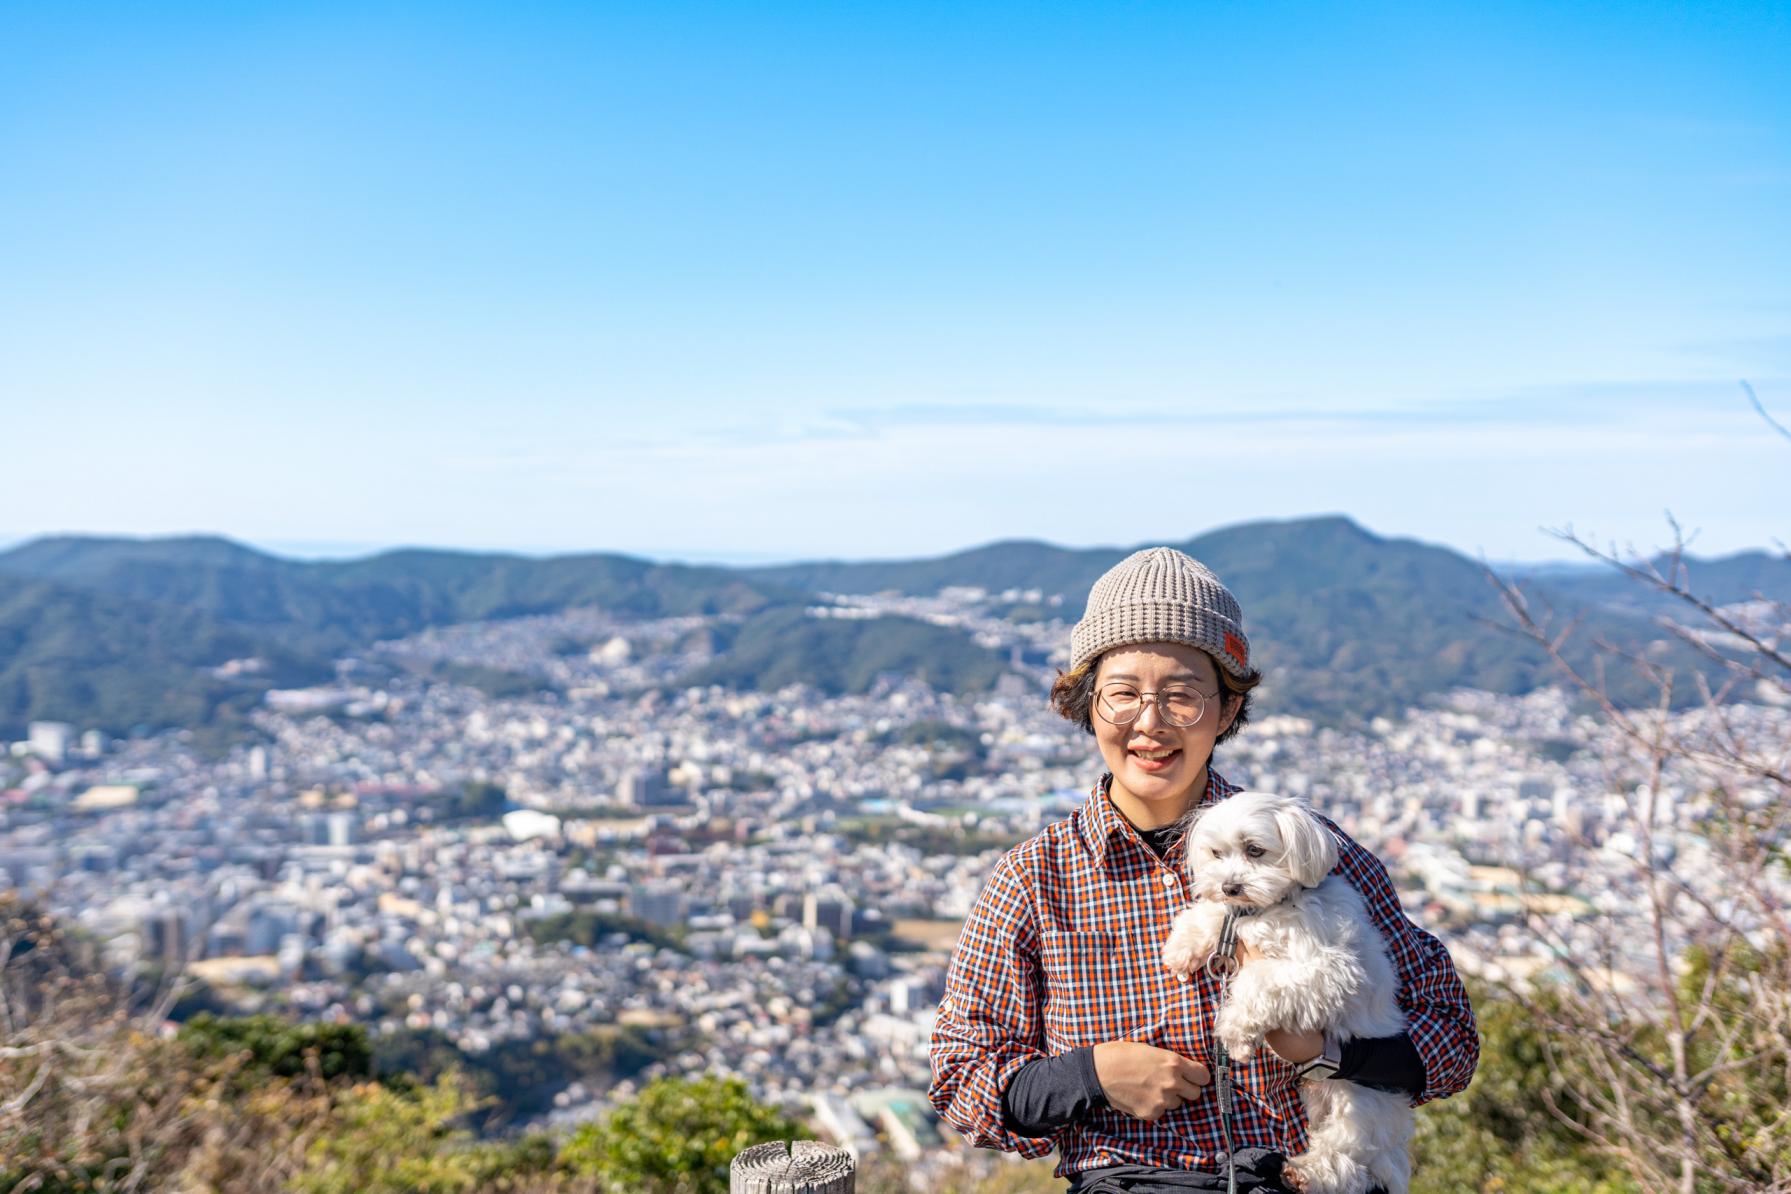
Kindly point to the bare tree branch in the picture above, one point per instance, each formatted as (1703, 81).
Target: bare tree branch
(1770, 421)
(1670, 1038)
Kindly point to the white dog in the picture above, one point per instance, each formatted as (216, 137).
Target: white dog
(1321, 966)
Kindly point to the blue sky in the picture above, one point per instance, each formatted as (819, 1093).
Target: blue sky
(750, 281)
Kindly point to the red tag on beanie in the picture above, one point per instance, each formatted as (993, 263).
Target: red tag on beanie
(1235, 647)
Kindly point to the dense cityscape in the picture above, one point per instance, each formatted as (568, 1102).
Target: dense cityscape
(756, 884)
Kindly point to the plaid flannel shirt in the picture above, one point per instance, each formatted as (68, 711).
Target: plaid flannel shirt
(1063, 948)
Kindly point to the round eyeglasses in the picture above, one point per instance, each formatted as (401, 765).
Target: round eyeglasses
(1120, 704)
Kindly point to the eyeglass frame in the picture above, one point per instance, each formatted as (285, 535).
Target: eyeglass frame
(1100, 704)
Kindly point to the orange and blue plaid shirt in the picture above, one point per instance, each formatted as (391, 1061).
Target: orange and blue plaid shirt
(1063, 949)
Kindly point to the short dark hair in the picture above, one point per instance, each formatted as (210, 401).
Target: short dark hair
(1072, 695)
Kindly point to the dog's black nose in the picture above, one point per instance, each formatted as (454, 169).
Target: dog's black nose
(1234, 889)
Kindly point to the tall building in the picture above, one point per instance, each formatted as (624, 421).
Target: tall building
(343, 829)
(316, 829)
(269, 923)
(657, 904)
(164, 937)
(645, 787)
(49, 740)
(830, 909)
(1470, 802)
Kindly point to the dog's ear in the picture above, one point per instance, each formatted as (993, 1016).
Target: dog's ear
(1311, 849)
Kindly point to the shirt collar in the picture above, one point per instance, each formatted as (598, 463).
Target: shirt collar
(1101, 821)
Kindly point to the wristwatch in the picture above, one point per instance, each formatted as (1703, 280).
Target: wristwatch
(1327, 1063)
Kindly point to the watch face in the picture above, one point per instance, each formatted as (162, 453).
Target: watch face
(1328, 1061)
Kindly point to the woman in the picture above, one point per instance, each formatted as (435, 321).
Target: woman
(1060, 1026)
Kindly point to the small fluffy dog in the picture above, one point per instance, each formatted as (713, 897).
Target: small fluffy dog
(1321, 966)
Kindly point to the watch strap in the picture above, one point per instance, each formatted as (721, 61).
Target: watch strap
(1327, 1063)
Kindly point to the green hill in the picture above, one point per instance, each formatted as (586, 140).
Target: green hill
(1350, 620)
(1347, 624)
(330, 603)
(1323, 542)
(96, 659)
(1726, 581)
(1015, 564)
(840, 655)
(118, 633)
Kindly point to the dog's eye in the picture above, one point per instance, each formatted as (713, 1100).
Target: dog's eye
(1255, 851)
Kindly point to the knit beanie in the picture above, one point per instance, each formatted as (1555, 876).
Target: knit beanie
(1161, 595)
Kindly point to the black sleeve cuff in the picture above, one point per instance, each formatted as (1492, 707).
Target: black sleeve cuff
(1389, 1063)
(1049, 1093)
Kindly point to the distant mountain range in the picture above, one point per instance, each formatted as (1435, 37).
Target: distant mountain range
(121, 633)
(1347, 624)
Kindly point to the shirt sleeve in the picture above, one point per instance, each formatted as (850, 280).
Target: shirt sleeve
(989, 1023)
(1439, 1018)
(1053, 1091)
(1389, 1063)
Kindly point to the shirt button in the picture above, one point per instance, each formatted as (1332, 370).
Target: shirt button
(1169, 880)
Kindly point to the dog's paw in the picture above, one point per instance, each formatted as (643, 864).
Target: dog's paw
(1190, 944)
(1182, 955)
(1241, 1048)
(1240, 1034)
(1328, 1171)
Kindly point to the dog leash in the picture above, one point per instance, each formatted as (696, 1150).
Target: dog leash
(1222, 964)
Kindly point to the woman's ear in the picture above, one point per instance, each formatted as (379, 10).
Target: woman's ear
(1229, 704)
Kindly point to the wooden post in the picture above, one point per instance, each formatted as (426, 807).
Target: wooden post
(808, 1167)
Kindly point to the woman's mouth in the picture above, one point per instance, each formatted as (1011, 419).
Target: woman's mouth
(1154, 758)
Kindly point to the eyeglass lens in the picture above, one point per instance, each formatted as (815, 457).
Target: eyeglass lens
(1121, 703)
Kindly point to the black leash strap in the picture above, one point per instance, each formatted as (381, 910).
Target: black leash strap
(1222, 965)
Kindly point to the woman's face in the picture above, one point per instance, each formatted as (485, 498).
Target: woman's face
(1159, 769)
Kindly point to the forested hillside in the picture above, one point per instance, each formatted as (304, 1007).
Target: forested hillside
(122, 633)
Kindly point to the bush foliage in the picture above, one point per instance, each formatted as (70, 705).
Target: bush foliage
(675, 1137)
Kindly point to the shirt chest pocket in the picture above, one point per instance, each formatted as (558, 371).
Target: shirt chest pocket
(1109, 986)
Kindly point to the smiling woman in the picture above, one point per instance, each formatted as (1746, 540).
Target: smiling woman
(1061, 1027)
(1159, 674)
(1157, 719)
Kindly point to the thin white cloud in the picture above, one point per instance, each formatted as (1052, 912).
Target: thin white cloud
(1583, 404)
(1482, 473)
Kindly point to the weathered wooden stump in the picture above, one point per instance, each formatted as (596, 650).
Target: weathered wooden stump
(807, 1167)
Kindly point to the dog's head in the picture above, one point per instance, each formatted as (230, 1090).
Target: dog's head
(1253, 849)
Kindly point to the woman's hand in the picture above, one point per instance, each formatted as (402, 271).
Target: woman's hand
(1144, 1081)
(1295, 1048)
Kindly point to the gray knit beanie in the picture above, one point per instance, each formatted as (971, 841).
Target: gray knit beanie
(1161, 595)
